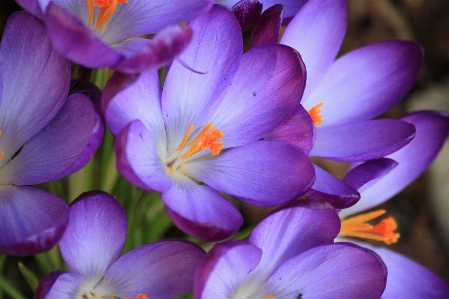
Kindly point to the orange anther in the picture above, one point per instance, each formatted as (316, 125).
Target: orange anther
(315, 114)
(206, 139)
(140, 296)
(358, 227)
(107, 9)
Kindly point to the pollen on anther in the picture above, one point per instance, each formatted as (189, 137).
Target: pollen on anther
(315, 114)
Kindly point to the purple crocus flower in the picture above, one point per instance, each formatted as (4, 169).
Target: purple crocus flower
(44, 136)
(206, 127)
(91, 247)
(109, 33)
(291, 255)
(343, 95)
(432, 128)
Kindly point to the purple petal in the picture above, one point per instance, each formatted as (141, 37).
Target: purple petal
(46, 283)
(224, 268)
(77, 42)
(138, 157)
(341, 270)
(27, 56)
(95, 234)
(160, 270)
(256, 172)
(368, 171)
(85, 87)
(265, 91)
(317, 32)
(66, 286)
(32, 220)
(362, 141)
(291, 6)
(298, 130)
(268, 26)
(432, 128)
(31, 6)
(200, 211)
(156, 52)
(292, 230)
(137, 18)
(127, 98)
(215, 51)
(332, 190)
(366, 82)
(247, 12)
(403, 275)
(64, 146)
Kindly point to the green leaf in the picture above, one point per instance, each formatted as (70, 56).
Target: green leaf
(29, 276)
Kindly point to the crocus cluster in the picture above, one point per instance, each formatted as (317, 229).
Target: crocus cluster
(210, 121)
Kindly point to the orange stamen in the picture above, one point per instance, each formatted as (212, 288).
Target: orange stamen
(315, 114)
(107, 9)
(269, 297)
(358, 227)
(140, 296)
(206, 139)
(184, 140)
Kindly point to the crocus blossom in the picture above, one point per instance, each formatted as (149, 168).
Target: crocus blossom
(44, 135)
(291, 255)
(432, 128)
(206, 127)
(343, 95)
(110, 33)
(91, 247)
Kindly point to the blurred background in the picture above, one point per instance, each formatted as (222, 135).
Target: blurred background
(421, 210)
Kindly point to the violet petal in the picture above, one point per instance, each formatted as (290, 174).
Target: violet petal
(264, 93)
(32, 220)
(256, 173)
(64, 146)
(224, 268)
(138, 160)
(432, 129)
(317, 32)
(76, 41)
(27, 56)
(298, 130)
(292, 230)
(330, 189)
(362, 141)
(341, 270)
(200, 211)
(247, 12)
(366, 82)
(268, 27)
(159, 270)
(95, 235)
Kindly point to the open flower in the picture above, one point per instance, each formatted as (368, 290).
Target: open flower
(109, 33)
(91, 247)
(432, 128)
(343, 95)
(291, 255)
(206, 127)
(44, 135)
